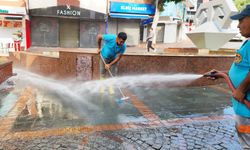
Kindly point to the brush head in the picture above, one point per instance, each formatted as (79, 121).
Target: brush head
(119, 101)
(124, 98)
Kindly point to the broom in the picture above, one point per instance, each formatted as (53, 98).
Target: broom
(120, 90)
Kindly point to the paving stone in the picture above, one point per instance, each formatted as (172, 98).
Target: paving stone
(145, 145)
(190, 147)
(157, 146)
(150, 148)
(167, 142)
(139, 142)
(44, 141)
(218, 147)
(165, 147)
(206, 135)
(159, 141)
(150, 142)
(133, 139)
(197, 146)
(36, 148)
(56, 146)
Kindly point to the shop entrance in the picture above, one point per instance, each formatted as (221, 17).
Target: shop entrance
(160, 32)
(69, 33)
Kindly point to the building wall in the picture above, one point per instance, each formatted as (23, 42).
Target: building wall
(7, 33)
(89, 31)
(135, 1)
(12, 19)
(5, 70)
(51, 19)
(95, 5)
(132, 28)
(34, 4)
(16, 3)
(44, 31)
(129, 26)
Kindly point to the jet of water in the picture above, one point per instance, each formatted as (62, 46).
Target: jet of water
(25, 78)
(78, 92)
(134, 81)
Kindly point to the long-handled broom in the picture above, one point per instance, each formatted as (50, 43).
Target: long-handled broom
(110, 73)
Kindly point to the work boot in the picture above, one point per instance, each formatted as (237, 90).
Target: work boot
(111, 90)
(102, 87)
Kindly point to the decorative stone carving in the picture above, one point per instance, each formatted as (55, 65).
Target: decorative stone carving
(84, 68)
(212, 21)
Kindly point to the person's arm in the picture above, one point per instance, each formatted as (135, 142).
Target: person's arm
(119, 56)
(214, 71)
(241, 91)
(99, 43)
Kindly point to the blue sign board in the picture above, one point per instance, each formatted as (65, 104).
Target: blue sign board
(128, 16)
(147, 21)
(132, 8)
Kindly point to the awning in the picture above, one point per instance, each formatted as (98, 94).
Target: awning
(12, 10)
(147, 21)
(128, 16)
(132, 8)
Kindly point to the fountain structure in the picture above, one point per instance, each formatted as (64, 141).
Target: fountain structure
(212, 21)
(5, 70)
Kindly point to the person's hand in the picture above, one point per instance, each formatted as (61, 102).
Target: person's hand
(98, 51)
(238, 94)
(107, 66)
(212, 74)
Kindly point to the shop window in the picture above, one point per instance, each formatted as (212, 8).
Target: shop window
(89, 31)
(7, 24)
(44, 31)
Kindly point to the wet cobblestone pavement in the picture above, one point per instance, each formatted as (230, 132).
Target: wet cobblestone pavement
(209, 131)
(212, 135)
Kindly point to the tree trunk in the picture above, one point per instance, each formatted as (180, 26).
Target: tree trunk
(155, 21)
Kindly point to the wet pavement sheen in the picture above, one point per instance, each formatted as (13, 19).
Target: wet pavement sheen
(154, 118)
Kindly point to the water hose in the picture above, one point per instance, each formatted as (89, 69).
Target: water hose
(229, 82)
(110, 73)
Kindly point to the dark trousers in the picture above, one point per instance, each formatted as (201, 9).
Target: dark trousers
(149, 45)
(113, 69)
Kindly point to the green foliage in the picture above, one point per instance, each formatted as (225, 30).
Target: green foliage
(241, 4)
(161, 3)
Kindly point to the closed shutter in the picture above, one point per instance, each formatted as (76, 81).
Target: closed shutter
(69, 33)
(160, 33)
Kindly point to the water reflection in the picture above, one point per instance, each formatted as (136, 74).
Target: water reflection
(64, 104)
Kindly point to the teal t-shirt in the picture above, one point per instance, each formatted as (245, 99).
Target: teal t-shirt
(110, 48)
(237, 73)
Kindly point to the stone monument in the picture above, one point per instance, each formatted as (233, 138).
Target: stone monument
(212, 21)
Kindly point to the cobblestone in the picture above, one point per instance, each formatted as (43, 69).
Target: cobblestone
(207, 135)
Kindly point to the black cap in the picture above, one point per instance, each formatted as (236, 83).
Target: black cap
(244, 13)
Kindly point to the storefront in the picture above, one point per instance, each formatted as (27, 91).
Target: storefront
(126, 17)
(14, 27)
(66, 25)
